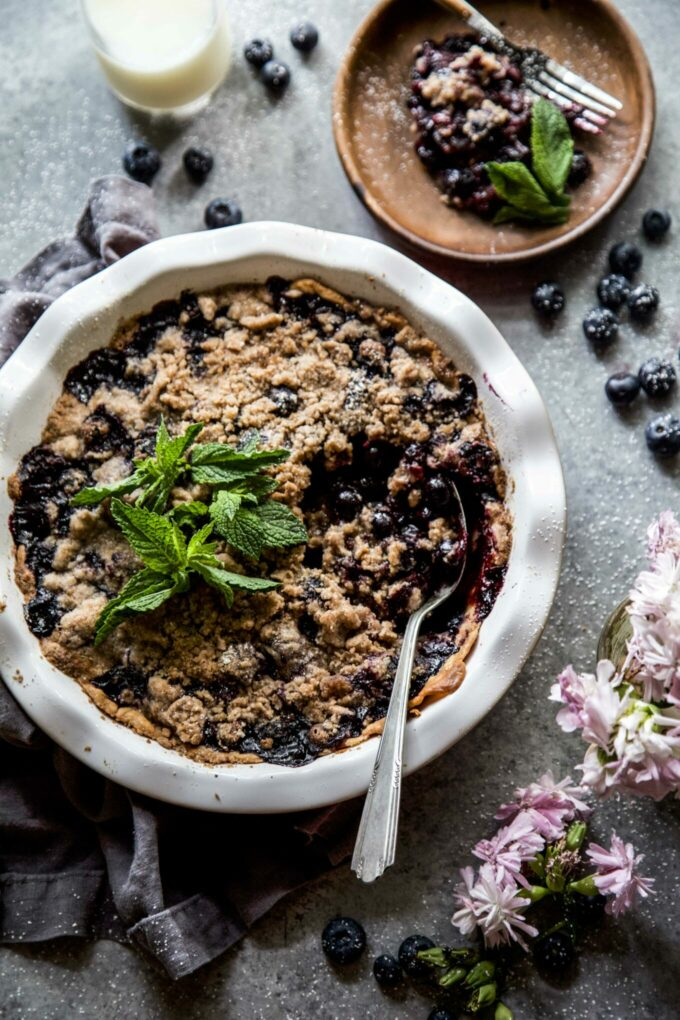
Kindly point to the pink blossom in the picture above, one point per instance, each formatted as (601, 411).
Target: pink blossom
(663, 535)
(571, 689)
(616, 874)
(548, 804)
(493, 904)
(511, 847)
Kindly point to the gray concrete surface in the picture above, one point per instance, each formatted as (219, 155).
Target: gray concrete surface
(59, 127)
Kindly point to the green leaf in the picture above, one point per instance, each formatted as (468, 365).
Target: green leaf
(169, 452)
(157, 540)
(243, 460)
(280, 526)
(216, 579)
(508, 213)
(96, 493)
(243, 531)
(552, 147)
(199, 545)
(144, 591)
(515, 183)
(249, 583)
(224, 507)
(213, 474)
(186, 514)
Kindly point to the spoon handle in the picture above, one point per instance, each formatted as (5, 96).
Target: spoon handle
(473, 17)
(377, 838)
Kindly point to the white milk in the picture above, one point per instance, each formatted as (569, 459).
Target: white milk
(161, 54)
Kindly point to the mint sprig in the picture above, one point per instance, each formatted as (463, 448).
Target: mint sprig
(538, 196)
(169, 563)
(175, 543)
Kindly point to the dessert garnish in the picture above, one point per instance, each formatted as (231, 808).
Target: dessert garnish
(241, 512)
(473, 115)
(538, 196)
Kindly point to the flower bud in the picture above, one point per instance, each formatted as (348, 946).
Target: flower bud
(535, 893)
(436, 956)
(586, 886)
(452, 977)
(502, 1012)
(484, 996)
(576, 833)
(481, 974)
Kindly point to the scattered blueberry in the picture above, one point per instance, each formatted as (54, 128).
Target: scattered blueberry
(588, 910)
(555, 953)
(441, 1014)
(275, 75)
(581, 169)
(141, 162)
(548, 298)
(222, 212)
(663, 435)
(198, 163)
(643, 301)
(657, 377)
(304, 37)
(601, 326)
(348, 503)
(625, 258)
(387, 971)
(656, 224)
(343, 940)
(613, 290)
(258, 51)
(622, 388)
(408, 955)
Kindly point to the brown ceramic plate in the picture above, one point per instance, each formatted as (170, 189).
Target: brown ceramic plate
(374, 140)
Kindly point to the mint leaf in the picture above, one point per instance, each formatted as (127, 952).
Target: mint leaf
(157, 540)
(169, 452)
(249, 583)
(186, 514)
(508, 213)
(199, 545)
(280, 526)
(213, 474)
(516, 184)
(247, 459)
(144, 591)
(224, 507)
(243, 531)
(552, 147)
(214, 576)
(97, 493)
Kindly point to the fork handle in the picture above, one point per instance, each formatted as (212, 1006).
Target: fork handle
(377, 837)
(473, 17)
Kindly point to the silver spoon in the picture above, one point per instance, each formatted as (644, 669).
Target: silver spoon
(377, 837)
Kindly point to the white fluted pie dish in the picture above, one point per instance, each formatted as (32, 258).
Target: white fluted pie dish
(86, 318)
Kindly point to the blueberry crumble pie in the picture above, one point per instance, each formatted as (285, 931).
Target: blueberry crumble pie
(470, 108)
(377, 422)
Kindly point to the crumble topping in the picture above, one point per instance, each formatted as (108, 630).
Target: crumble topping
(378, 422)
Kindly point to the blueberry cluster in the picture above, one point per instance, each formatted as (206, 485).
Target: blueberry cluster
(617, 291)
(274, 73)
(142, 162)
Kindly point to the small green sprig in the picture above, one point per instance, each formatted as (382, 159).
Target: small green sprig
(174, 544)
(538, 196)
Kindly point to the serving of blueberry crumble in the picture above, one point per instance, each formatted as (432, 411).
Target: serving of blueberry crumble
(470, 108)
(378, 423)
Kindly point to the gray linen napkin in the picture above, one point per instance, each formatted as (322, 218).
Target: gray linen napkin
(78, 854)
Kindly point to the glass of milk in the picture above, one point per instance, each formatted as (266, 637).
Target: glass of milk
(161, 55)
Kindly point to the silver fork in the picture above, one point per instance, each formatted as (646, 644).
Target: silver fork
(376, 842)
(544, 76)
